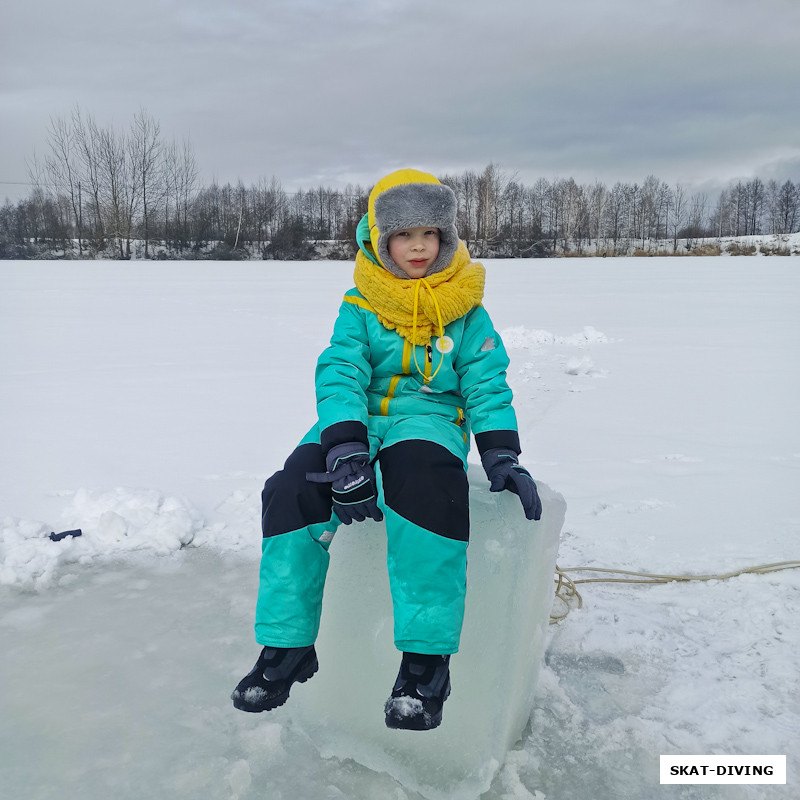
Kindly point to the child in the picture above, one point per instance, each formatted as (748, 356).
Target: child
(414, 365)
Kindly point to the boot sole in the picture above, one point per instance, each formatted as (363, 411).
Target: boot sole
(399, 723)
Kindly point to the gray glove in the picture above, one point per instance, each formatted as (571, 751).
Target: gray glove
(505, 472)
(352, 479)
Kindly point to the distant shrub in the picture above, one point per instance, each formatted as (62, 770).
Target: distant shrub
(736, 249)
(334, 250)
(18, 252)
(775, 249)
(706, 250)
(224, 252)
(639, 253)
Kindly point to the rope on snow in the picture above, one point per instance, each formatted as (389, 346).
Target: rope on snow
(567, 591)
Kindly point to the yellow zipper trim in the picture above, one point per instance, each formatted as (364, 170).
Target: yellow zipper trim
(389, 395)
(406, 367)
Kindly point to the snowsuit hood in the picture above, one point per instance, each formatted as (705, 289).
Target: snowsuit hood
(403, 199)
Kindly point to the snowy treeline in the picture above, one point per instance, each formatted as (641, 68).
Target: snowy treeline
(505, 218)
(121, 194)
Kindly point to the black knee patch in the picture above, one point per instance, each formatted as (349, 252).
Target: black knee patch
(289, 501)
(425, 483)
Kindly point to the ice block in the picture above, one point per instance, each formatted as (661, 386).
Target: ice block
(511, 564)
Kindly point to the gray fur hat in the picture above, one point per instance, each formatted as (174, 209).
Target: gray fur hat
(411, 199)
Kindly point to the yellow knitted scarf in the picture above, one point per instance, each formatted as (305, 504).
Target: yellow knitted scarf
(416, 308)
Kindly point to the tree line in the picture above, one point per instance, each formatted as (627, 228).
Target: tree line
(102, 192)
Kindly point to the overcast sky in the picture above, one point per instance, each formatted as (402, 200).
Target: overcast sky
(326, 92)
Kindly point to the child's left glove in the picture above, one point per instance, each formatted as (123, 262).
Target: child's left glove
(505, 472)
(352, 480)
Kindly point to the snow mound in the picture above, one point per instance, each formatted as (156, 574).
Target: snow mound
(235, 525)
(521, 337)
(114, 524)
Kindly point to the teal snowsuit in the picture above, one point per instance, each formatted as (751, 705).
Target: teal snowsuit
(370, 389)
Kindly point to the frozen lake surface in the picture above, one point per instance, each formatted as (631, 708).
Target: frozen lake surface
(146, 404)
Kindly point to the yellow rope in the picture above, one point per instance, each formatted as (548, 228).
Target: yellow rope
(567, 591)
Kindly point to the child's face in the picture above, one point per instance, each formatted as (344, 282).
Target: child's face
(414, 250)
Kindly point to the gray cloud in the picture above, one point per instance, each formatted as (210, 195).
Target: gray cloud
(342, 90)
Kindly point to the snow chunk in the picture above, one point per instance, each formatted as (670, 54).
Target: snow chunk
(405, 706)
(584, 366)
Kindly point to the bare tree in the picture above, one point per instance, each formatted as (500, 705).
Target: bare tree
(616, 217)
(784, 202)
(120, 186)
(146, 153)
(490, 187)
(679, 208)
(87, 141)
(63, 177)
(535, 199)
(269, 204)
(571, 215)
(179, 174)
(755, 206)
(354, 206)
(597, 197)
(697, 227)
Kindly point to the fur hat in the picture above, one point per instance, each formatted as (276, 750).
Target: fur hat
(411, 199)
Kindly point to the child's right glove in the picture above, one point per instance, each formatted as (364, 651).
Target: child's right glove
(505, 472)
(352, 480)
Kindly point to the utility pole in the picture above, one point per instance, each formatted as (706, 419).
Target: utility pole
(80, 222)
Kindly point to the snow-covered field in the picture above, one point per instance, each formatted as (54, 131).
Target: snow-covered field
(146, 403)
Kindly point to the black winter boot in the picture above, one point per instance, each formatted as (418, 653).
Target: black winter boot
(422, 686)
(267, 685)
